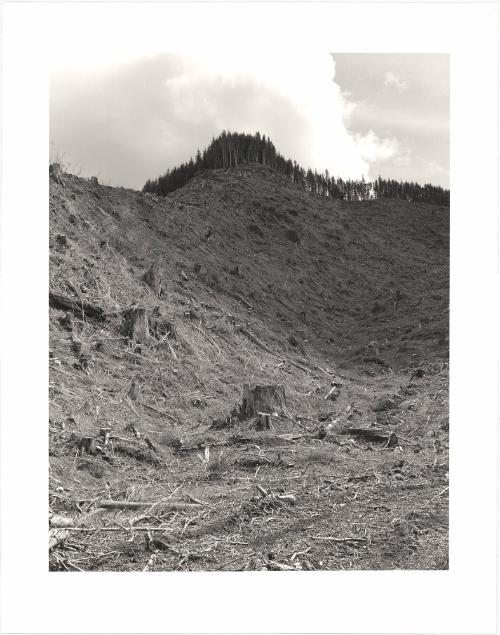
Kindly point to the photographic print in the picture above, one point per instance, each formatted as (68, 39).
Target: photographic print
(249, 312)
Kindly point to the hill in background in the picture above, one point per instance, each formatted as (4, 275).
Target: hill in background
(234, 149)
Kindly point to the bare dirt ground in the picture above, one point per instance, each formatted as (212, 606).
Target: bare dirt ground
(263, 284)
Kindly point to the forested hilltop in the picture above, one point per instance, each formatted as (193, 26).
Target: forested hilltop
(232, 149)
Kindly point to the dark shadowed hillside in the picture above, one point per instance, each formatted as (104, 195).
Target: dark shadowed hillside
(262, 283)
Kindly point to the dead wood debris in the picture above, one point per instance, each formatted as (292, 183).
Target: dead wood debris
(56, 537)
(78, 308)
(174, 505)
(374, 434)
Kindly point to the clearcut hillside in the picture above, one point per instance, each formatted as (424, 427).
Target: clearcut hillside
(262, 283)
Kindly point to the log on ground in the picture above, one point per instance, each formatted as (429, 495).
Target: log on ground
(374, 434)
(77, 307)
(174, 505)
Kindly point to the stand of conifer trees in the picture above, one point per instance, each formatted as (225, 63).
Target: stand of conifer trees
(233, 149)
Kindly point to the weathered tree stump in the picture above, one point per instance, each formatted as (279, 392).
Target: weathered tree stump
(292, 235)
(61, 241)
(136, 324)
(258, 399)
(105, 433)
(84, 445)
(263, 421)
(377, 307)
(134, 390)
(372, 349)
(322, 433)
(55, 172)
(152, 277)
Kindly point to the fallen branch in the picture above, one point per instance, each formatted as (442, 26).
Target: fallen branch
(195, 500)
(172, 352)
(231, 561)
(129, 403)
(303, 368)
(277, 566)
(240, 299)
(120, 528)
(438, 495)
(59, 370)
(319, 416)
(253, 462)
(175, 505)
(160, 412)
(208, 338)
(332, 539)
(330, 374)
(301, 425)
(114, 437)
(300, 553)
(188, 203)
(256, 341)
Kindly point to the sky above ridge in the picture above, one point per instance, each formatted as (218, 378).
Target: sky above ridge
(129, 118)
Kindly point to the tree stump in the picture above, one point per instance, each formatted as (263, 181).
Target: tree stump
(134, 390)
(161, 324)
(62, 241)
(292, 235)
(266, 399)
(322, 432)
(136, 325)
(377, 307)
(84, 445)
(105, 433)
(55, 172)
(263, 421)
(372, 349)
(152, 278)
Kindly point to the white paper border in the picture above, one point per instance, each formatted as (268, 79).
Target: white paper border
(459, 601)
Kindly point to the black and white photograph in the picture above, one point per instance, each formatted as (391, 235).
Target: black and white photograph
(249, 293)
(245, 332)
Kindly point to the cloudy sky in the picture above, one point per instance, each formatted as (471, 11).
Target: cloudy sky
(353, 114)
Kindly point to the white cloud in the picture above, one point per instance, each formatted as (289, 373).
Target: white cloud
(390, 79)
(434, 166)
(373, 148)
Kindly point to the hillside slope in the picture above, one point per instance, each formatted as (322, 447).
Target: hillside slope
(263, 283)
